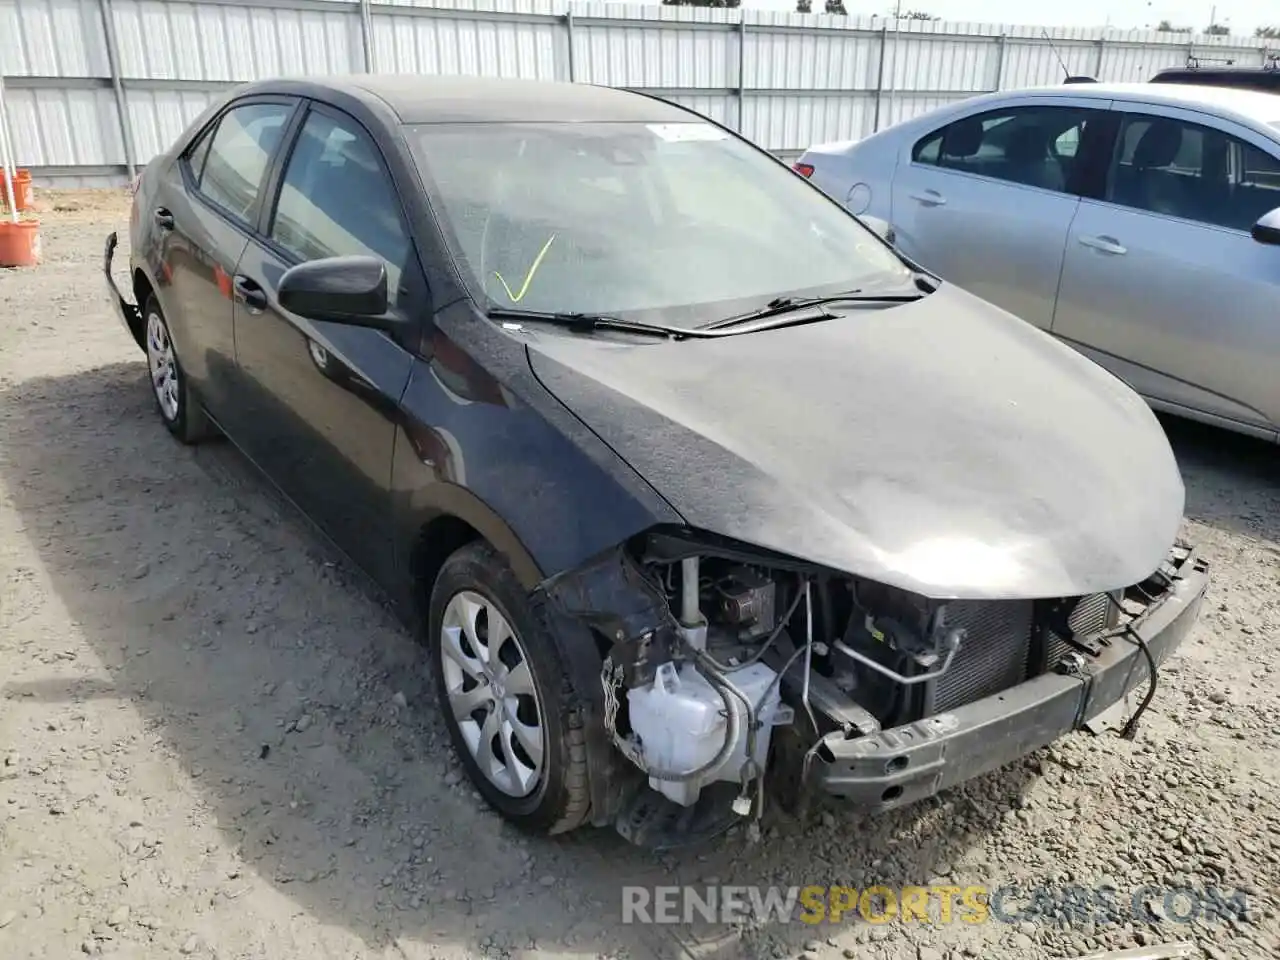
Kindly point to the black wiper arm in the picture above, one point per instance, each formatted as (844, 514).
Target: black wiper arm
(783, 305)
(590, 321)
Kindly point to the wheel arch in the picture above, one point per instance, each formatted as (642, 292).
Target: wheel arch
(454, 518)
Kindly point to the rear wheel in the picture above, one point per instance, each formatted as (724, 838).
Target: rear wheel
(512, 714)
(179, 410)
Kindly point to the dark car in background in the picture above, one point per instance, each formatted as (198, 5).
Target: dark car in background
(1265, 79)
(691, 481)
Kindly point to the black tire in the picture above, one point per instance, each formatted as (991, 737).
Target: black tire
(188, 421)
(560, 800)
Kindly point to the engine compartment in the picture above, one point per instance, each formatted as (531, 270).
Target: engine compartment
(898, 656)
(720, 653)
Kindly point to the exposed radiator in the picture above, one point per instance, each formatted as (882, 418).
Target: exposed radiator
(1092, 614)
(994, 654)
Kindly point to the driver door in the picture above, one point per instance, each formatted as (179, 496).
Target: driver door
(322, 398)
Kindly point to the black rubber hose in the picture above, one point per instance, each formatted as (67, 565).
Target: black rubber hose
(1131, 728)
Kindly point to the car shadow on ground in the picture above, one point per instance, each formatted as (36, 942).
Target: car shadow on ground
(1233, 481)
(301, 711)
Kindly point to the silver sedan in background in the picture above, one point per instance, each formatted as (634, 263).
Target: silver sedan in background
(1139, 223)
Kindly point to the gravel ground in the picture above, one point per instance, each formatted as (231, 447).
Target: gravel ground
(215, 741)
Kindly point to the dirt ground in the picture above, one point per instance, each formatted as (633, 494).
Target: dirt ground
(216, 742)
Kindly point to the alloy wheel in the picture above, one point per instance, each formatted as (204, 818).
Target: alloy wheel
(491, 693)
(163, 366)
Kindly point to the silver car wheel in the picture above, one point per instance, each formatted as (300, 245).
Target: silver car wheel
(491, 693)
(163, 366)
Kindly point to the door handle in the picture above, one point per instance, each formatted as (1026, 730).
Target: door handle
(930, 198)
(1104, 244)
(163, 218)
(250, 293)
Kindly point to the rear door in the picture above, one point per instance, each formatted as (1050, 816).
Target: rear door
(203, 215)
(986, 200)
(323, 398)
(1162, 282)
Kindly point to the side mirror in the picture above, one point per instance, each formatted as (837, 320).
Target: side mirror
(340, 289)
(881, 228)
(1267, 229)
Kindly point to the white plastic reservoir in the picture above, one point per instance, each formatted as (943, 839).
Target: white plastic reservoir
(680, 720)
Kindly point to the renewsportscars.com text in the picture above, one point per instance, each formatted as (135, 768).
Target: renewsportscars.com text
(972, 904)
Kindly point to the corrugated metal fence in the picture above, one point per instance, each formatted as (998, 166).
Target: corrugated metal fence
(97, 87)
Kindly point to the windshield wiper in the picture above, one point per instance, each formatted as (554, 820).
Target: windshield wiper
(783, 305)
(587, 322)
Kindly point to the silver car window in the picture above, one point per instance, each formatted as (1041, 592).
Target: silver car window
(1035, 146)
(1182, 169)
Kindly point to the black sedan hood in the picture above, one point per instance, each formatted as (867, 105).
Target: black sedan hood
(943, 446)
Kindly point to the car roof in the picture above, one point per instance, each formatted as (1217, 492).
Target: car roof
(1253, 105)
(460, 99)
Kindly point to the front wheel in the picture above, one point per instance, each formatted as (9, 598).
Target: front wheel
(180, 412)
(512, 714)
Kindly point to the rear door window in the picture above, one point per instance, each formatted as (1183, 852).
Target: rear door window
(1035, 146)
(239, 153)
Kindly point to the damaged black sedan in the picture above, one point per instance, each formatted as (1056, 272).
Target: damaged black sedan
(695, 486)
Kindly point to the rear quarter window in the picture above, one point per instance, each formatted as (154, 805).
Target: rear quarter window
(928, 149)
(196, 154)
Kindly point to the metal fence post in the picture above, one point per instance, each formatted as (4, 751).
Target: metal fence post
(893, 71)
(366, 35)
(1000, 43)
(742, 67)
(113, 64)
(1097, 63)
(879, 91)
(568, 26)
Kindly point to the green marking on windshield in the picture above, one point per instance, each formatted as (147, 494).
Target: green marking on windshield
(528, 277)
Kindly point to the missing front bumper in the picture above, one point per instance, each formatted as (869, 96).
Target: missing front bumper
(904, 764)
(129, 313)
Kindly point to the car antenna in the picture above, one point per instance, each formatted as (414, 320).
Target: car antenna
(1066, 74)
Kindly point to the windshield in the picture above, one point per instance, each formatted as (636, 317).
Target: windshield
(678, 222)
